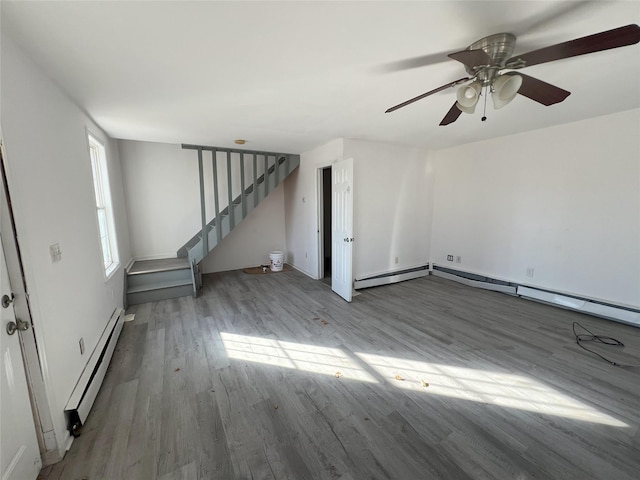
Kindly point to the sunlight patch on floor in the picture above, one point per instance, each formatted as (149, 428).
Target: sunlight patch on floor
(309, 358)
(496, 388)
(483, 386)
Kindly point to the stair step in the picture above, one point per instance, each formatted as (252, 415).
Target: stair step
(158, 285)
(158, 277)
(145, 296)
(140, 267)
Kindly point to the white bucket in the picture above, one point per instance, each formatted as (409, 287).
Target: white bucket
(277, 261)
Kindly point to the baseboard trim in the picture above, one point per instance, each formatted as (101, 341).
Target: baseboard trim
(52, 456)
(295, 267)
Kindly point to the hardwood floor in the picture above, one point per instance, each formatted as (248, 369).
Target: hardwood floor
(276, 377)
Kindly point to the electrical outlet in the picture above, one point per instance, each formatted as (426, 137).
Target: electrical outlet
(396, 260)
(81, 343)
(458, 259)
(529, 271)
(450, 258)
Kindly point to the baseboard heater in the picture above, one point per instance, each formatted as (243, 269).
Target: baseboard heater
(391, 277)
(609, 311)
(599, 309)
(473, 280)
(86, 390)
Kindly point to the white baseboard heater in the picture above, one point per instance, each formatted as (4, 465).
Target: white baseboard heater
(86, 390)
(611, 312)
(617, 313)
(473, 280)
(391, 277)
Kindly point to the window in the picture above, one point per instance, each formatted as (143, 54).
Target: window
(104, 210)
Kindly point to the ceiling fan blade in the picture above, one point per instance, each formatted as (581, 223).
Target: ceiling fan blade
(452, 115)
(471, 58)
(557, 14)
(618, 37)
(539, 91)
(431, 92)
(413, 62)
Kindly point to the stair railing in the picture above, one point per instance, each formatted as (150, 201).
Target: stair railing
(261, 175)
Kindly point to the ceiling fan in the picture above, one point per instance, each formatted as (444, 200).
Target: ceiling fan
(485, 60)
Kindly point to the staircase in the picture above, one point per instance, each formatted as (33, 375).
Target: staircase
(251, 173)
(153, 280)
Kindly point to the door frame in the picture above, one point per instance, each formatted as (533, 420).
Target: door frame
(320, 217)
(319, 220)
(38, 393)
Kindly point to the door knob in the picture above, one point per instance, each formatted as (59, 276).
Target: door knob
(20, 325)
(7, 300)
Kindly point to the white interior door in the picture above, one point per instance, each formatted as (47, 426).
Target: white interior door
(342, 228)
(19, 452)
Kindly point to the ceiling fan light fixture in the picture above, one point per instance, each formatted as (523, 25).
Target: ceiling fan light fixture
(467, 96)
(489, 55)
(464, 109)
(505, 89)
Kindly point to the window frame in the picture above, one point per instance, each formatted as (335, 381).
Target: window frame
(105, 220)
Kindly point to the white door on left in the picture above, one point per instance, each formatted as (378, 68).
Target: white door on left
(19, 452)
(342, 228)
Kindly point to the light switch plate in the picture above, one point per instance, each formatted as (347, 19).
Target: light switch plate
(55, 252)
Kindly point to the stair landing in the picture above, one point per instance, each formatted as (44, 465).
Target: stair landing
(158, 265)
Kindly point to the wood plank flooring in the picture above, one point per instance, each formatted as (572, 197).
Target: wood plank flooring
(276, 377)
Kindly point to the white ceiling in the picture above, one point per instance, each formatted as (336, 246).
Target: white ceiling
(289, 76)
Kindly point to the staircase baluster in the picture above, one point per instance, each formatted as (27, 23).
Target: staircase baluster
(203, 207)
(230, 209)
(214, 160)
(255, 180)
(243, 194)
(266, 175)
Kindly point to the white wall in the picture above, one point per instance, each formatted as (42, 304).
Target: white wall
(564, 201)
(50, 181)
(301, 207)
(393, 190)
(162, 189)
(392, 206)
(163, 197)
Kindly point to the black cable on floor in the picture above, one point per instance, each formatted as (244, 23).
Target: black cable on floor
(591, 337)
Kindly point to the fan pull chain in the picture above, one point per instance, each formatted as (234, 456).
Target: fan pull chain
(484, 113)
